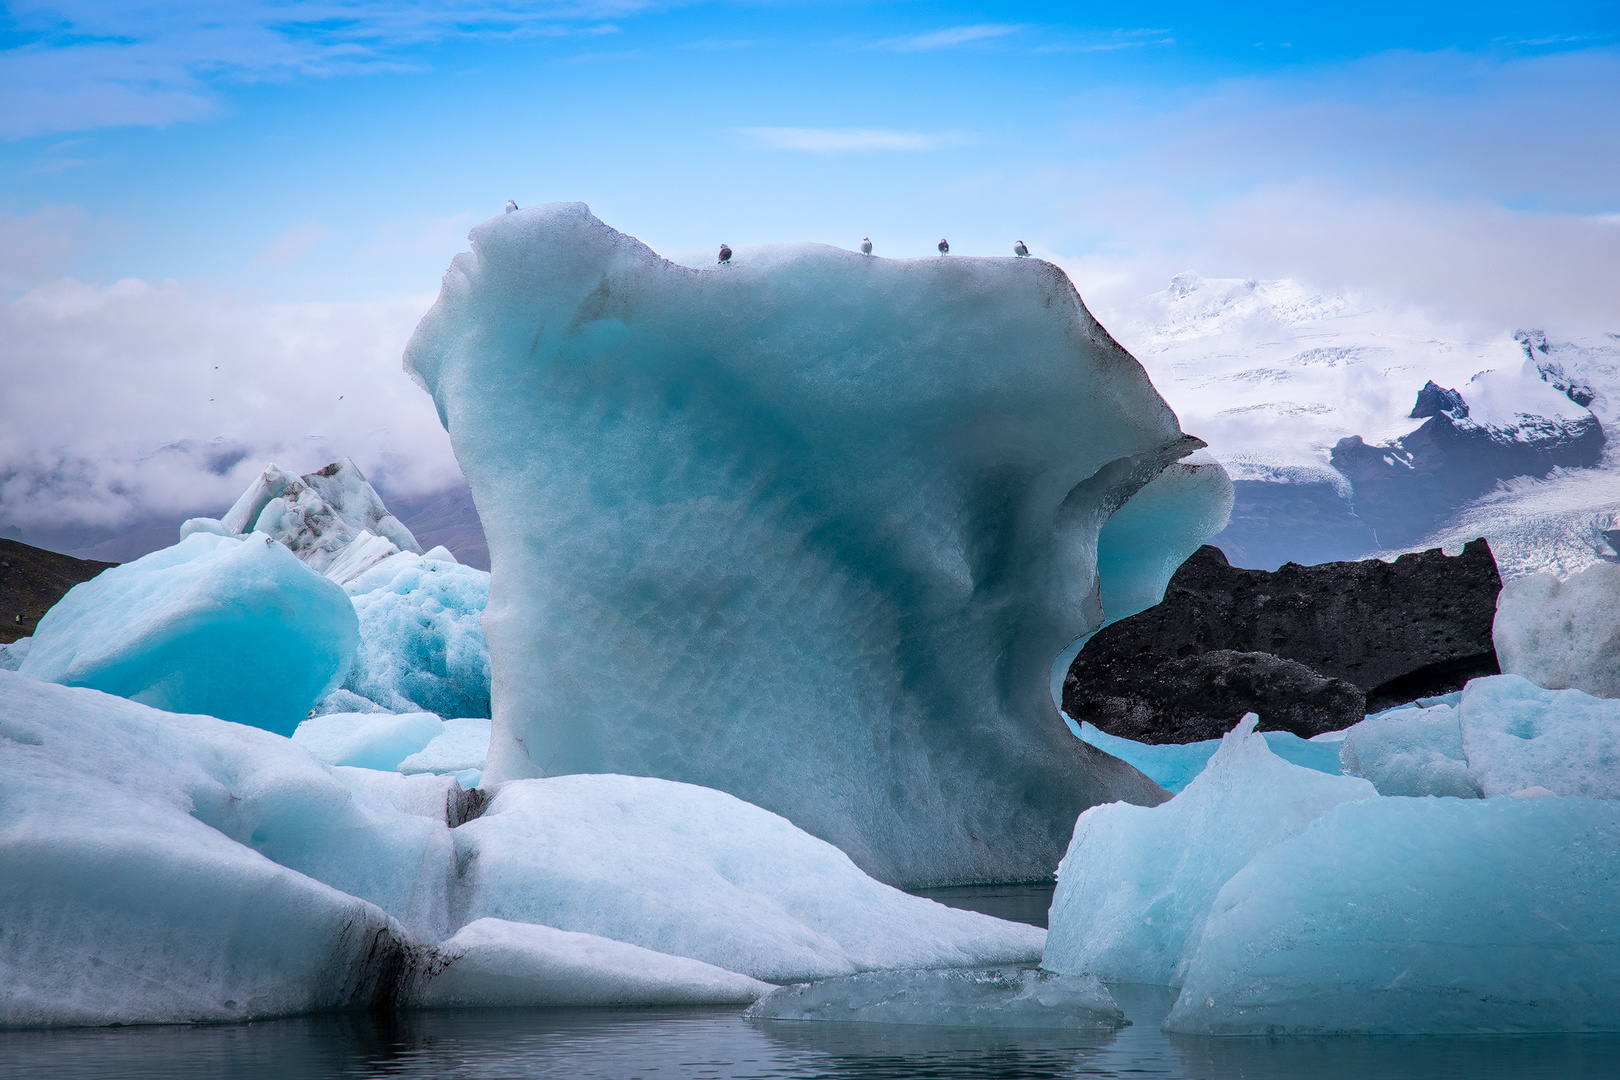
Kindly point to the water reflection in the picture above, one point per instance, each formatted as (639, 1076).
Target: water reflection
(655, 1044)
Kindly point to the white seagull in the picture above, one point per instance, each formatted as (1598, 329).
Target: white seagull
(510, 206)
(944, 247)
(866, 245)
(1019, 249)
(725, 254)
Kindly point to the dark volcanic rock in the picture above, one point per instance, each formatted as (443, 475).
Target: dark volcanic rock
(1204, 695)
(1394, 631)
(31, 580)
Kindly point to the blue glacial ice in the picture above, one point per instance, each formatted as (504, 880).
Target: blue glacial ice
(233, 628)
(1137, 882)
(1007, 997)
(377, 740)
(810, 528)
(1418, 916)
(421, 646)
(165, 867)
(1173, 765)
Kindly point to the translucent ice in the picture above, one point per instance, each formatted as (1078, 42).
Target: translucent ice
(421, 644)
(809, 528)
(368, 740)
(698, 873)
(494, 962)
(1410, 751)
(1173, 765)
(234, 628)
(1562, 634)
(458, 749)
(1137, 882)
(960, 997)
(1418, 916)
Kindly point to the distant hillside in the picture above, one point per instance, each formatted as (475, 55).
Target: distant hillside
(31, 580)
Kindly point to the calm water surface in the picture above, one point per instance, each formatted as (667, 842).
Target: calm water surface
(587, 1044)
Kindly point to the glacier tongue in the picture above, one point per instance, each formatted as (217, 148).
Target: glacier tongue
(809, 528)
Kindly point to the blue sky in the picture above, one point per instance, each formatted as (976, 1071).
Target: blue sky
(300, 172)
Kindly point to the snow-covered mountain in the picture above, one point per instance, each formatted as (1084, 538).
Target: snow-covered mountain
(1353, 427)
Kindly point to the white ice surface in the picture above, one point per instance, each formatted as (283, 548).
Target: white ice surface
(1418, 916)
(1562, 634)
(12, 653)
(809, 528)
(1136, 885)
(695, 872)
(238, 629)
(458, 749)
(1503, 736)
(961, 997)
(368, 740)
(494, 962)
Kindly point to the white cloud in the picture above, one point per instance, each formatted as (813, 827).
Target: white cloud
(851, 140)
(138, 399)
(294, 244)
(949, 38)
(89, 64)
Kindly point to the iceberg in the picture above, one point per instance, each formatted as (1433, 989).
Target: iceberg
(809, 528)
(952, 997)
(694, 872)
(368, 740)
(317, 516)
(1173, 765)
(165, 867)
(233, 628)
(1397, 916)
(493, 962)
(1562, 634)
(1503, 736)
(1137, 882)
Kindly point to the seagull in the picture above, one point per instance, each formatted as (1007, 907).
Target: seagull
(1019, 249)
(944, 247)
(510, 206)
(725, 254)
(866, 245)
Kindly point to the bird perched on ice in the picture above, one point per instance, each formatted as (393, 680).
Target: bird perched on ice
(725, 254)
(1019, 249)
(510, 206)
(944, 247)
(866, 245)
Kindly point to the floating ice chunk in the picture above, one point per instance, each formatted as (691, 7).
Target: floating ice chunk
(345, 701)
(421, 638)
(237, 629)
(494, 962)
(1410, 751)
(1137, 882)
(1562, 634)
(698, 873)
(953, 997)
(204, 525)
(123, 905)
(368, 740)
(1418, 916)
(810, 528)
(1516, 735)
(1173, 765)
(242, 515)
(459, 748)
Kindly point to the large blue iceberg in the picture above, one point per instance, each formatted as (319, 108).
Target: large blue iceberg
(810, 528)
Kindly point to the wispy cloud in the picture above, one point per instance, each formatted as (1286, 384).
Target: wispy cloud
(950, 37)
(852, 140)
(86, 64)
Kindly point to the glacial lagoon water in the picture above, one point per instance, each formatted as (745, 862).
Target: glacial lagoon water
(719, 1044)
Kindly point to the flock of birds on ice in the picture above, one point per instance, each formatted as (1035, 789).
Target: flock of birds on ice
(1019, 249)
